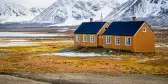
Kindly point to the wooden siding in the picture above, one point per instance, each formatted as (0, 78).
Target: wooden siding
(141, 42)
(98, 39)
(88, 43)
(103, 29)
(144, 41)
(100, 34)
(122, 45)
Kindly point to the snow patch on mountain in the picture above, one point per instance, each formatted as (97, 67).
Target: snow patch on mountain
(74, 12)
(36, 11)
(11, 12)
(154, 12)
(62, 10)
(101, 7)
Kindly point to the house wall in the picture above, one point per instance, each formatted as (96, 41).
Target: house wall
(144, 41)
(100, 34)
(103, 29)
(88, 43)
(140, 42)
(122, 45)
(98, 38)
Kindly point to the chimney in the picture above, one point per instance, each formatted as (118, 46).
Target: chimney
(134, 18)
(91, 19)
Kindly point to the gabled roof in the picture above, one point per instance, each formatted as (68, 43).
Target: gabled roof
(127, 28)
(89, 28)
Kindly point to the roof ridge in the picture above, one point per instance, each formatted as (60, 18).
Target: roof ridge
(94, 22)
(124, 28)
(128, 21)
(89, 27)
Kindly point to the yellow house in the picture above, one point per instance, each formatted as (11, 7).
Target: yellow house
(134, 36)
(89, 34)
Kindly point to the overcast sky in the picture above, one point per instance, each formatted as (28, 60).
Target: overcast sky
(33, 3)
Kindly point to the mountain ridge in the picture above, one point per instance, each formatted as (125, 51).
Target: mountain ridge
(11, 12)
(155, 12)
(75, 11)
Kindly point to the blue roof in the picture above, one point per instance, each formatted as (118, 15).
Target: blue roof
(89, 28)
(127, 28)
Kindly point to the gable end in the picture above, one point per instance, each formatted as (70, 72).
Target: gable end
(142, 27)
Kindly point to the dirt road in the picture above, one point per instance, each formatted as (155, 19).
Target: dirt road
(81, 78)
(6, 79)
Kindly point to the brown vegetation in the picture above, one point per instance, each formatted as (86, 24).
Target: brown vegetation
(27, 59)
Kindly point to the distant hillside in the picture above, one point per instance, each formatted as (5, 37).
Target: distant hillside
(11, 12)
(73, 12)
(155, 12)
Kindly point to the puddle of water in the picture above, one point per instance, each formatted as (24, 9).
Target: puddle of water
(9, 44)
(73, 54)
(161, 45)
(28, 34)
(66, 41)
(18, 40)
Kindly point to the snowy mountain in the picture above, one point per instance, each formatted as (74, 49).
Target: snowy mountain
(73, 12)
(101, 7)
(155, 12)
(11, 12)
(63, 10)
(36, 11)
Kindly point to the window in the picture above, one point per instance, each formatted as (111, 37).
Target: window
(127, 41)
(144, 29)
(108, 40)
(117, 40)
(77, 38)
(92, 39)
(84, 38)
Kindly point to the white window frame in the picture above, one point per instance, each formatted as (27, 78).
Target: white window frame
(117, 40)
(92, 39)
(126, 40)
(77, 38)
(108, 39)
(144, 29)
(84, 38)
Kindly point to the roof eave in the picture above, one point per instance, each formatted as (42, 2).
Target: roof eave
(117, 35)
(86, 33)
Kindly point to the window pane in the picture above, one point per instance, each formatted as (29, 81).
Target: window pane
(84, 38)
(128, 41)
(77, 38)
(92, 39)
(117, 40)
(144, 30)
(108, 40)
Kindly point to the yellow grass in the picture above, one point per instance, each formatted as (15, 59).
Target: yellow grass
(42, 48)
(77, 64)
(27, 59)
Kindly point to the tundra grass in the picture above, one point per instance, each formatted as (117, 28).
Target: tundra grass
(42, 48)
(27, 59)
(77, 64)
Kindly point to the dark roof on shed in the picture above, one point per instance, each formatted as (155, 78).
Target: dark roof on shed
(89, 28)
(127, 28)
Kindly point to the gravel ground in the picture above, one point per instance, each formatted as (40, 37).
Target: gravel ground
(87, 78)
(6, 79)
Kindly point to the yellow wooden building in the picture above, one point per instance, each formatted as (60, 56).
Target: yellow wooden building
(90, 33)
(134, 36)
